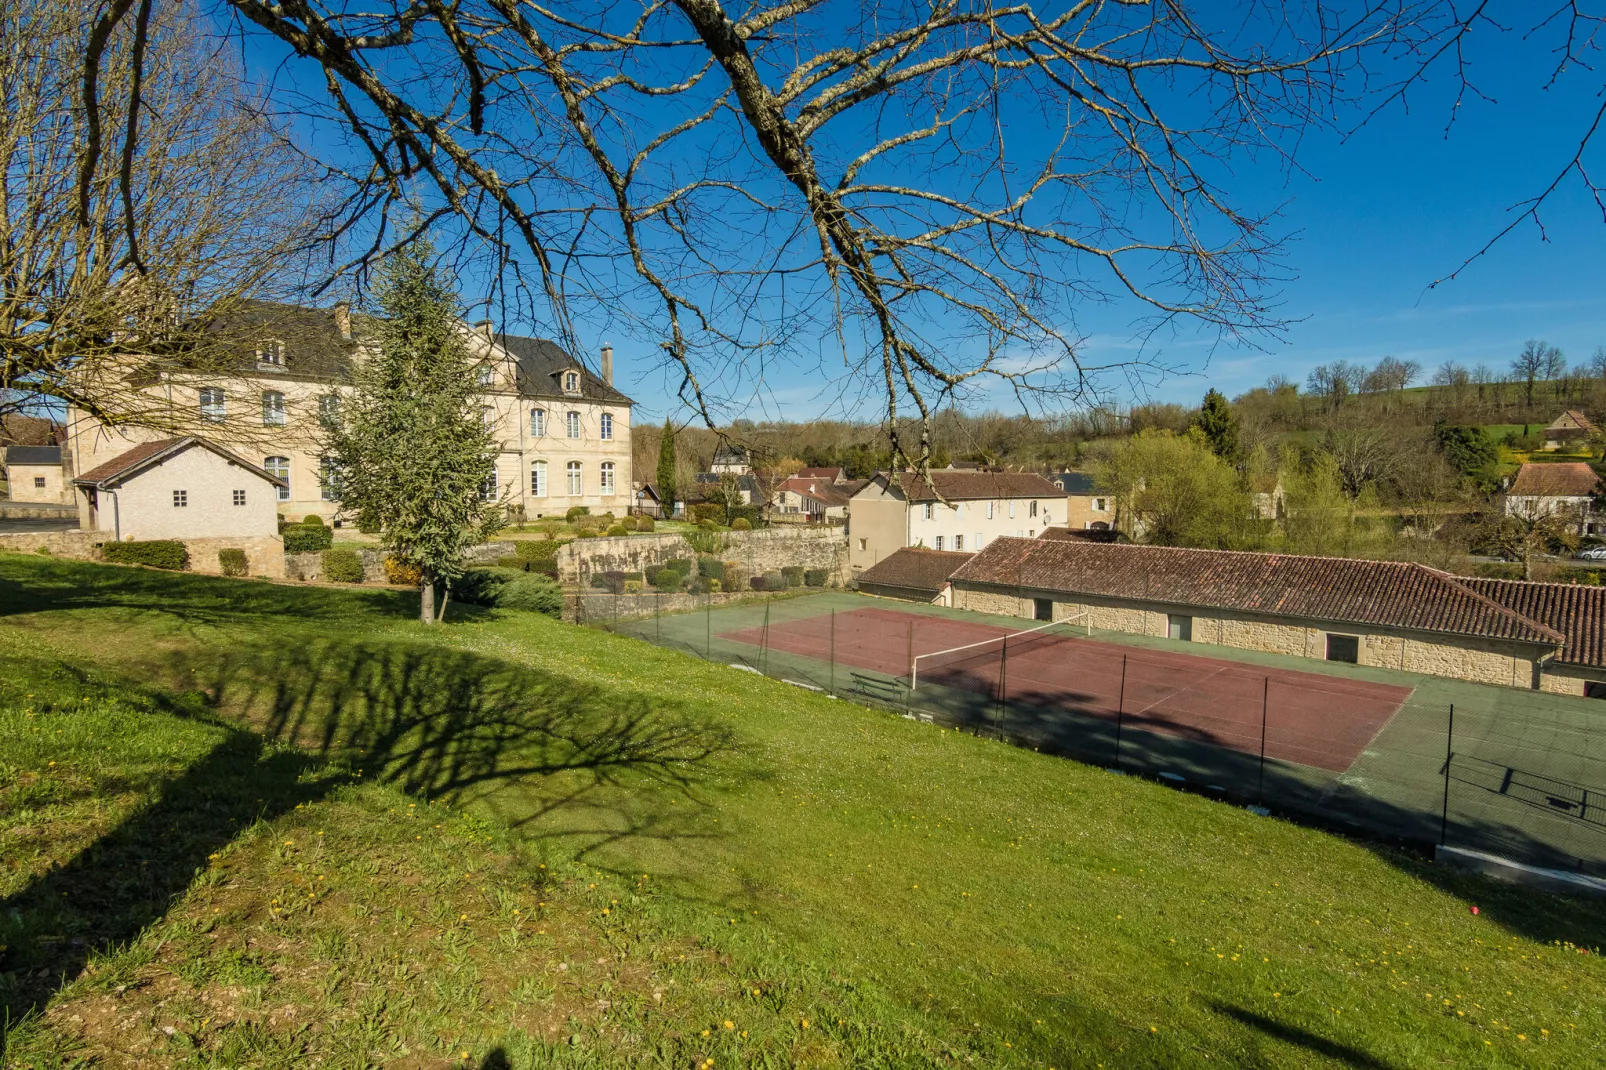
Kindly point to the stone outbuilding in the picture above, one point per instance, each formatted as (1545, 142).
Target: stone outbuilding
(34, 474)
(187, 489)
(915, 574)
(1389, 614)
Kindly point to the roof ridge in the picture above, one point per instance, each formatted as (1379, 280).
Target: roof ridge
(1455, 581)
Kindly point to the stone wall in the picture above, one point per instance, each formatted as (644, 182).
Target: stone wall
(598, 607)
(1568, 679)
(78, 544)
(1478, 660)
(765, 550)
(309, 566)
(264, 556)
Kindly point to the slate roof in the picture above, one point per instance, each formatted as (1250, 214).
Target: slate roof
(1389, 594)
(1561, 480)
(729, 453)
(1078, 483)
(915, 569)
(33, 454)
(1576, 611)
(146, 455)
(313, 347)
(541, 362)
(969, 486)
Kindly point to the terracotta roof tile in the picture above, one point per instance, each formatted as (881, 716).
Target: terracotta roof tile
(974, 486)
(1389, 594)
(915, 568)
(1560, 480)
(1576, 611)
(131, 461)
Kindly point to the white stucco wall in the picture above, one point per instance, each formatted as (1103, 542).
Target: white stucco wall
(143, 508)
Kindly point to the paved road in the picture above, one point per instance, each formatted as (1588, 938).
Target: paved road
(22, 526)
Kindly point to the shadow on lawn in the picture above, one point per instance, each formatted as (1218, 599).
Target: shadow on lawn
(1303, 1039)
(432, 720)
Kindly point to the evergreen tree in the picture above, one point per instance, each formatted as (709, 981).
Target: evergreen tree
(412, 455)
(1219, 424)
(666, 469)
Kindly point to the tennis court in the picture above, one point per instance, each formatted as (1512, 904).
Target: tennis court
(1320, 720)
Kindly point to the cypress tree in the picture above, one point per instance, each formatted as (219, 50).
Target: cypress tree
(666, 469)
(1219, 424)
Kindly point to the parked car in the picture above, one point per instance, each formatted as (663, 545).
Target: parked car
(1594, 553)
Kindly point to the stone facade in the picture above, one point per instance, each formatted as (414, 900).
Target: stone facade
(1478, 660)
(264, 555)
(36, 483)
(880, 522)
(1088, 511)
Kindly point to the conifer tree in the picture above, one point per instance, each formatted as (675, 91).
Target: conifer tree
(412, 455)
(666, 469)
(1219, 424)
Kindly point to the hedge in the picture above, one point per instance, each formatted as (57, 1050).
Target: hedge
(815, 577)
(749, 513)
(537, 549)
(683, 565)
(710, 511)
(232, 561)
(774, 581)
(711, 568)
(303, 539)
(156, 553)
(342, 566)
(793, 574)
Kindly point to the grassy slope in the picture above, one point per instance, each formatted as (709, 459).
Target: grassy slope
(915, 895)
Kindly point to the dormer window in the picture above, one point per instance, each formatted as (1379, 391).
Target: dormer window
(484, 375)
(571, 382)
(271, 354)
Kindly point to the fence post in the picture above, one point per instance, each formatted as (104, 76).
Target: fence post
(764, 642)
(1265, 701)
(909, 691)
(832, 689)
(708, 626)
(1449, 756)
(1003, 684)
(1120, 704)
(657, 615)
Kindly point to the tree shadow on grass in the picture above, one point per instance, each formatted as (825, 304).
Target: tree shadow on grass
(432, 720)
(1303, 1039)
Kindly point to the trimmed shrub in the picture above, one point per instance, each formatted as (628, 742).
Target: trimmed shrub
(155, 553)
(711, 568)
(531, 593)
(629, 522)
(815, 577)
(536, 548)
(313, 520)
(613, 581)
(793, 574)
(302, 539)
(644, 523)
(650, 574)
(710, 511)
(232, 561)
(741, 523)
(735, 576)
(514, 562)
(401, 573)
(712, 585)
(706, 525)
(757, 583)
(749, 513)
(480, 586)
(668, 580)
(683, 565)
(774, 581)
(576, 511)
(633, 586)
(342, 566)
(585, 533)
(617, 530)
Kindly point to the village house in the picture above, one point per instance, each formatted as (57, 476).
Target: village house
(815, 500)
(1086, 508)
(1571, 429)
(35, 474)
(955, 510)
(563, 432)
(1568, 489)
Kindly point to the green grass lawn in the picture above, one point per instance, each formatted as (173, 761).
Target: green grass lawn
(248, 824)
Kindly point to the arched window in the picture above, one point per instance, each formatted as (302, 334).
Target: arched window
(484, 375)
(214, 405)
(607, 426)
(537, 423)
(279, 466)
(571, 382)
(488, 489)
(607, 477)
(272, 408)
(574, 425)
(538, 479)
(576, 488)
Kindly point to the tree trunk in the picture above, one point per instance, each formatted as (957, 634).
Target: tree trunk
(446, 600)
(426, 599)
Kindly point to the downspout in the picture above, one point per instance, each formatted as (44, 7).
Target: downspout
(117, 519)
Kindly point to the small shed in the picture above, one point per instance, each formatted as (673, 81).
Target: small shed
(913, 573)
(33, 474)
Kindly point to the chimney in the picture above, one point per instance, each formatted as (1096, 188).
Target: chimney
(607, 363)
(486, 328)
(343, 319)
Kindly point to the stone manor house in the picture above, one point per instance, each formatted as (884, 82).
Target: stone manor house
(564, 432)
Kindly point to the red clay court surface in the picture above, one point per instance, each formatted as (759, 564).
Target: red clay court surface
(1311, 719)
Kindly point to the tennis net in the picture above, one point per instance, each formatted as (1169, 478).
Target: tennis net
(968, 658)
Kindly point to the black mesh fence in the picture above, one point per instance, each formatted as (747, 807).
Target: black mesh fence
(1520, 775)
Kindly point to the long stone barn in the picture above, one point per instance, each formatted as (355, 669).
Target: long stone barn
(1390, 614)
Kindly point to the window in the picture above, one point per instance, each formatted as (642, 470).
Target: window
(328, 479)
(1042, 609)
(484, 375)
(571, 382)
(488, 417)
(1592, 688)
(537, 423)
(272, 408)
(1032, 509)
(181, 499)
(271, 354)
(573, 470)
(930, 511)
(607, 477)
(329, 411)
(538, 479)
(939, 542)
(280, 467)
(978, 543)
(1179, 626)
(239, 497)
(607, 427)
(39, 482)
(990, 510)
(488, 488)
(1346, 648)
(574, 425)
(1099, 506)
(959, 542)
(214, 406)
(864, 544)
(1012, 510)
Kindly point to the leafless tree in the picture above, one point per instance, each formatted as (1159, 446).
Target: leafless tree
(134, 231)
(1364, 455)
(1523, 530)
(1538, 362)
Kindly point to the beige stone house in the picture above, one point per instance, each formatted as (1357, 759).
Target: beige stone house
(34, 474)
(564, 432)
(186, 489)
(1395, 615)
(1086, 508)
(1571, 428)
(955, 510)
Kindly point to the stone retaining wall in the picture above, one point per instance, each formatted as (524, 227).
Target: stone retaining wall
(595, 607)
(757, 552)
(309, 565)
(264, 556)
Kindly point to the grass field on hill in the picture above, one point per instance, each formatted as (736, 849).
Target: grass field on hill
(260, 825)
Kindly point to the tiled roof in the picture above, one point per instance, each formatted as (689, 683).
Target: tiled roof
(541, 362)
(1573, 479)
(1388, 594)
(821, 473)
(820, 490)
(1576, 611)
(1082, 534)
(914, 568)
(1571, 420)
(971, 486)
(131, 462)
(33, 454)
